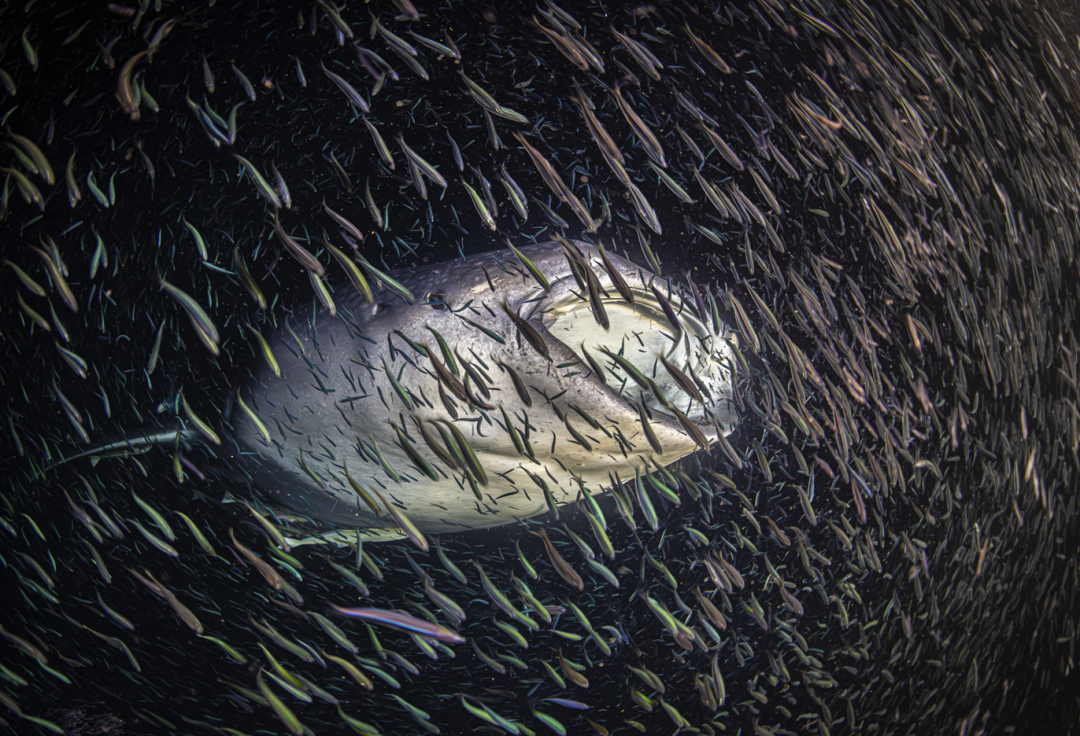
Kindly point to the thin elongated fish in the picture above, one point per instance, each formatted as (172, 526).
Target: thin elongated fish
(402, 622)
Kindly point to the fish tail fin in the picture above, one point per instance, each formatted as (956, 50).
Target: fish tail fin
(134, 443)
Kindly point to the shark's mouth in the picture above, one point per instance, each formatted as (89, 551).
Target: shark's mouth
(642, 334)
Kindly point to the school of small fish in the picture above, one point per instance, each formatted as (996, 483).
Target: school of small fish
(879, 198)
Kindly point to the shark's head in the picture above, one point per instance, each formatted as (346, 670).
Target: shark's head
(508, 378)
(642, 334)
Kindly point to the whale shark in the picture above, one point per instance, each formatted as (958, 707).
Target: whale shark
(437, 402)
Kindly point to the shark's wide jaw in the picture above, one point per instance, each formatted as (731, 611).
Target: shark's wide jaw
(641, 333)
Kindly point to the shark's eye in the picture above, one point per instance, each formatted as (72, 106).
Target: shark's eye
(436, 300)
